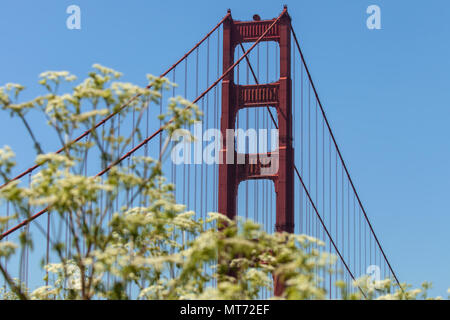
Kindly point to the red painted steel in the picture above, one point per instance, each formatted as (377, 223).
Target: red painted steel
(342, 160)
(277, 95)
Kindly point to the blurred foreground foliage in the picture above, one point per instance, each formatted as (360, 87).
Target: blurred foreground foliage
(157, 249)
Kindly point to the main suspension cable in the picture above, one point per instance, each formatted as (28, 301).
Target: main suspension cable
(342, 159)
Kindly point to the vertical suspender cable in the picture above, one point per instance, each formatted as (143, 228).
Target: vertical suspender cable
(342, 161)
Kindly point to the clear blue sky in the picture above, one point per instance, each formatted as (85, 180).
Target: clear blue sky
(386, 92)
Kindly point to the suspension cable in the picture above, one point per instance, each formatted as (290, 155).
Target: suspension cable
(342, 159)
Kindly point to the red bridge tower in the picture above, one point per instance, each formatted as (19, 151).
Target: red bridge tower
(277, 95)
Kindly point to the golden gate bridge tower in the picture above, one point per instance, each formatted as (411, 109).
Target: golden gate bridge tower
(236, 97)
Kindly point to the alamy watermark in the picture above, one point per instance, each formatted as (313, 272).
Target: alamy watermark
(374, 20)
(374, 273)
(74, 19)
(242, 145)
